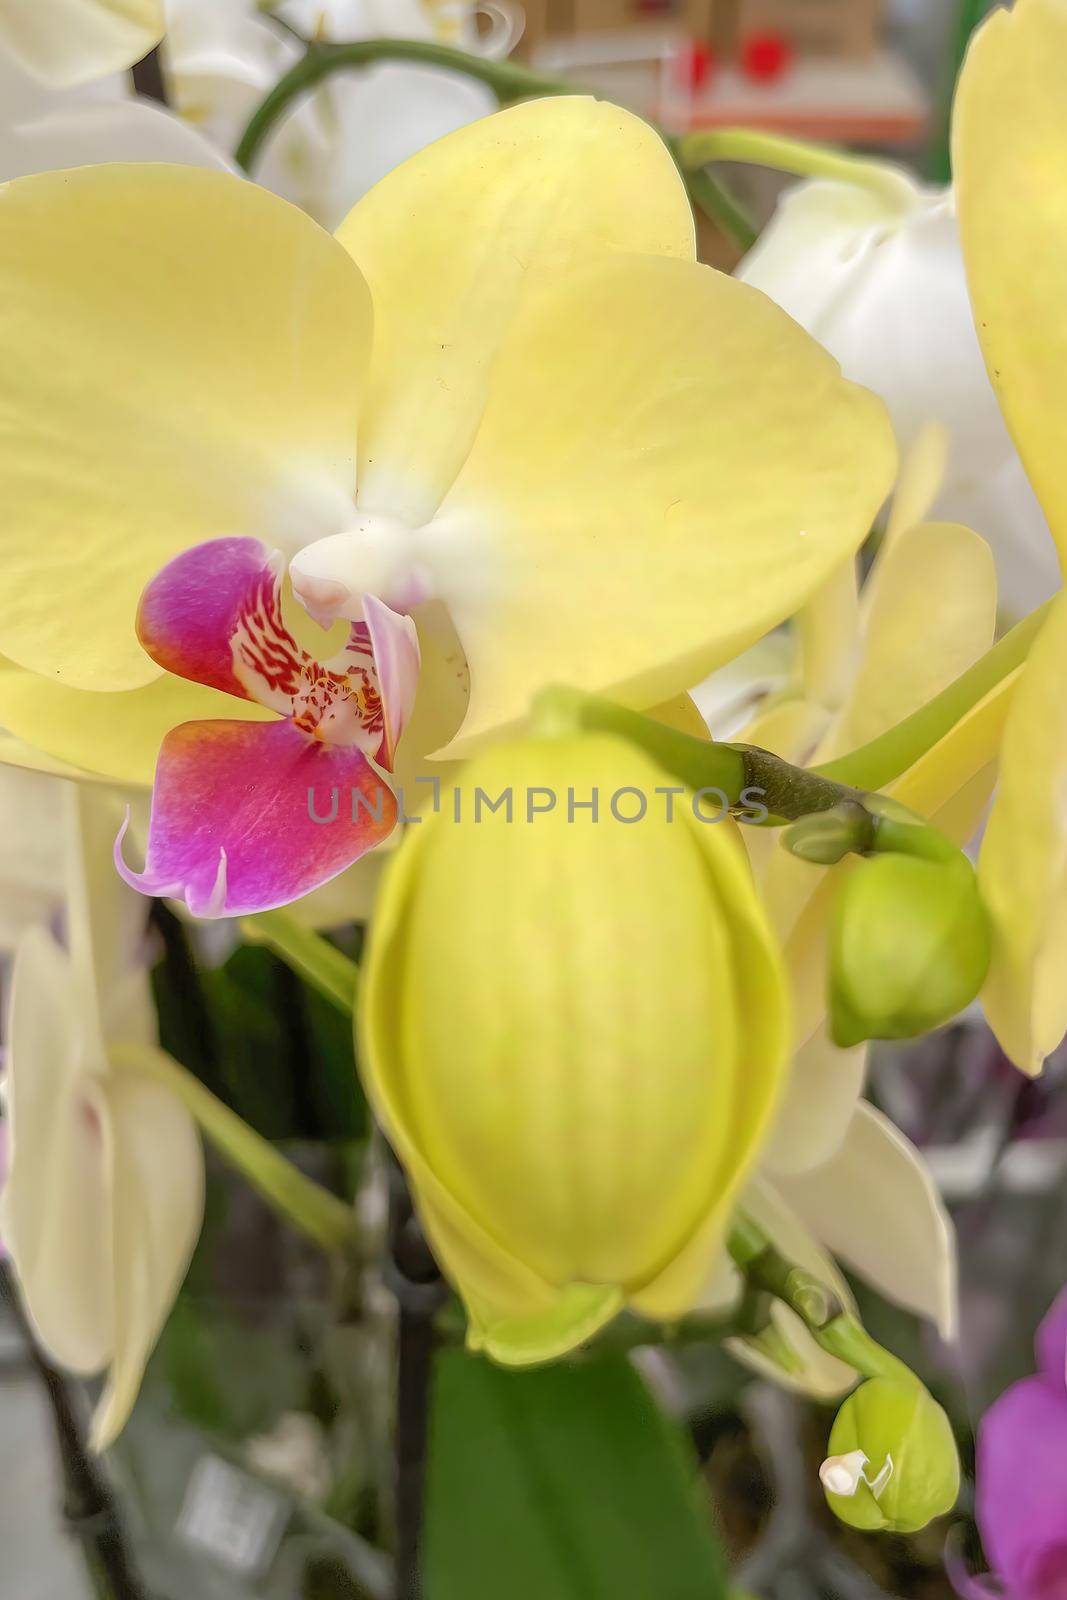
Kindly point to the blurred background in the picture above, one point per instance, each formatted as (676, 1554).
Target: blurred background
(267, 1484)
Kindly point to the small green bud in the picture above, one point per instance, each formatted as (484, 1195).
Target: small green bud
(909, 947)
(893, 1465)
(826, 837)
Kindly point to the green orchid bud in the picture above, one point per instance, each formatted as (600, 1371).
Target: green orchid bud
(573, 1030)
(909, 947)
(893, 1464)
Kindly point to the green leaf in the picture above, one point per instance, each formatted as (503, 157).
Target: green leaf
(566, 1481)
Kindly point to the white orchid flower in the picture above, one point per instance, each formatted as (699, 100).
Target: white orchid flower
(64, 42)
(105, 1188)
(223, 56)
(877, 275)
(44, 129)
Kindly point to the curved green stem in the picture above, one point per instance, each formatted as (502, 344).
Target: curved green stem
(877, 763)
(509, 81)
(827, 1319)
(320, 963)
(807, 160)
(316, 1213)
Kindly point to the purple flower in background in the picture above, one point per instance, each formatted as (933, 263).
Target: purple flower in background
(1022, 1473)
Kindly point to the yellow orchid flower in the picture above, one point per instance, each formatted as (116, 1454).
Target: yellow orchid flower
(103, 1197)
(1010, 144)
(64, 42)
(505, 393)
(578, 1085)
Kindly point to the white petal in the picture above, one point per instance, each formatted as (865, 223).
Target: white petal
(56, 1206)
(73, 41)
(31, 864)
(875, 1205)
(106, 920)
(88, 135)
(383, 117)
(157, 1180)
(821, 1095)
(889, 300)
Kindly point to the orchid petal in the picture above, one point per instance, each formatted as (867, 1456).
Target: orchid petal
(1009, 154)
(875, 1205)
(931, 606)
(822, 1091)
(30, 865)
(1021, 1498)
(214, 615)
(394, 645)
(1022, 869)
(91, 135)
(232, 830)
(383, 118)
(193, 610)
(877, 278)
(156, 1210)
(1051, 1345)
(56, 1198)
(539, 185)
(922, 473)
(630, 395)
(191, 393)
(108, 736)
(65, 42)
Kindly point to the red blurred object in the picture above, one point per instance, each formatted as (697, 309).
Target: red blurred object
(765, 57)
(694, 64)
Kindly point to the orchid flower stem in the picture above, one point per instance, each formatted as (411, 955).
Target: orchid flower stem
(312, 1210)
(877, 763)
(755, 148)
(827, 1319)
(509, 81)
(327, 969)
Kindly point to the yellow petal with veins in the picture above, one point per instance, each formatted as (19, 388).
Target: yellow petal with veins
(1022, 869)
(667, 467)
(182, 360)
(1009, 157)
(73, 41)
(448, 243)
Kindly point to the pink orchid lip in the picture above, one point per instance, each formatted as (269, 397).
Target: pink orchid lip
(233, 829)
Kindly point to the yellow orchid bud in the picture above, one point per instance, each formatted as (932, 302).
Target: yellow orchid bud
(573, 1029)
(909, 947)
(892, 1463)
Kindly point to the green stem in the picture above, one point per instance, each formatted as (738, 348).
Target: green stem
(807, 160)
(697, 762)
(827, 1319)
(877, 763)
(321, 964)
(316, 1213)
(509, 81)
(719, 205)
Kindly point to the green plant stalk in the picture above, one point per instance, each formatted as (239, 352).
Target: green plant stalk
(509, 81)
(327, 969)
(877, 763)
(309, 1208)
(830, 1323)
(807, 160)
